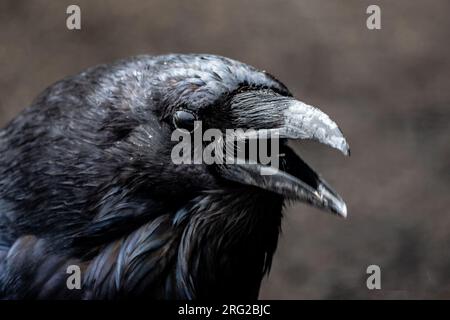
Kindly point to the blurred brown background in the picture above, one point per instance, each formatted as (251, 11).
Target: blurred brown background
(389, 90)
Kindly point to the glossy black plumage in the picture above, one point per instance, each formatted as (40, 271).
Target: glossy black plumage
(81, 182)
(86, 178)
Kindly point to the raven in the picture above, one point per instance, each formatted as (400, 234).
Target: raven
(87, 180)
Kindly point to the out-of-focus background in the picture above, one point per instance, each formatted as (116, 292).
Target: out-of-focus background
(388, 89)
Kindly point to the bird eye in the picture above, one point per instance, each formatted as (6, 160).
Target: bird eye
(184, 120)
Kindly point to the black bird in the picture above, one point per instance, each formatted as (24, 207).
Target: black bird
(87, 180)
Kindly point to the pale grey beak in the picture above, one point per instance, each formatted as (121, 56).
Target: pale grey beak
(303, 121)
(289, 119)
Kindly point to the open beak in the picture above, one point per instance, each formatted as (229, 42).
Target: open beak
(292, 178)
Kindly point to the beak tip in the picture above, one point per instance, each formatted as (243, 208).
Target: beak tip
(343, 211)
(344, 147)
(347, 149)
(333, 202)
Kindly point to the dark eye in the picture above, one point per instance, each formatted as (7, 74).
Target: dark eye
(184, 120)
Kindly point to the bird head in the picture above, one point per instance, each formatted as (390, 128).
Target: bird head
(222, 94)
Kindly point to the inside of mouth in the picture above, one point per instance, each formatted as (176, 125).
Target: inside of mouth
(292, 164)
